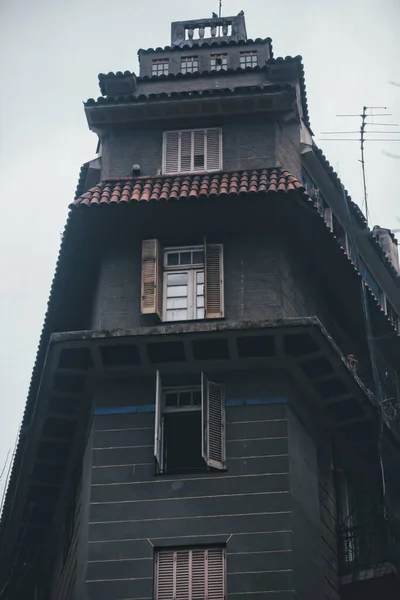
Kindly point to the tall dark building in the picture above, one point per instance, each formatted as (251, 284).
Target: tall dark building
(214, 408)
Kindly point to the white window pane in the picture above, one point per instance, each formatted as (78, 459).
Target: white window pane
(200, 277)
(176, 303)
(200, 290)
(176, 315)
(176, 291)
(200, 313)
(177, 279)
(200, 301)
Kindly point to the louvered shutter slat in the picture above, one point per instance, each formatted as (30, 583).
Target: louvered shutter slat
(190, 575)
(213, 147)
(216, 425)
(213, 282)
(198, 575)
(199, 150)
(165, 576)
(151, 284)
(215, 574)
(182, 579)
(186, 152)
(171, 152)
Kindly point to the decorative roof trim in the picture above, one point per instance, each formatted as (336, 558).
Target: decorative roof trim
(223, 72)
(243, 89)
(213, 44)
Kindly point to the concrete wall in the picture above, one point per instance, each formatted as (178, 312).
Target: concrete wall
(248, 507)
(247, 144)
(265, 507)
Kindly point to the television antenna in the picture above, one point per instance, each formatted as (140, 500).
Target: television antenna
(367, 113)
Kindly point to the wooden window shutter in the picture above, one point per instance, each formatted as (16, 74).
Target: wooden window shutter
(213, 423)
(171, 152)
(186, 146)
(165, 569)
(215, 573)
(213, 149)
(199, 150)
(213, 281)
(152, 278)
(158, 427)
(197, 574)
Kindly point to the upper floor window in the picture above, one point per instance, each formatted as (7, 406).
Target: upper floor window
(248, 59)
(190, 574)
(192, 151)
(189, 64)
(182, 283)
(189, 432)
(219, 62)
(160, 66)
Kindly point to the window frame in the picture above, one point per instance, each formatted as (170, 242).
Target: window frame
(223, 56)
(174, 577)
(153, 284)
(192, 270)
(251, 54)
(192, 154)
(189, 60)
(208, 429)
(159, 61)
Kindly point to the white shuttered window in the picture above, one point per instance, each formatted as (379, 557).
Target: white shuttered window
(192, 151)
(196, 574)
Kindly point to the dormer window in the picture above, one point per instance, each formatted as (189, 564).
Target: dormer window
(219, 62)
(160, 66)
(248, 59)
(192, 151)
(189, 64)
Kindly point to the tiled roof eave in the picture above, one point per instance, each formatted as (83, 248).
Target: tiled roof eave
(190, 187)
(213, 73)
(188, 95)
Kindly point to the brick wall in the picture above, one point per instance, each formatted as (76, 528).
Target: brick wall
(249, 144)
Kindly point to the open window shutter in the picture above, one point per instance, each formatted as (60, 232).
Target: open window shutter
(171, 152)
(213, 149)
(213, 423)
(213, 281)
(152, 275)
(158, 429)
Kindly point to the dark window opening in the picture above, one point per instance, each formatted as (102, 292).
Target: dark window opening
(182, 442)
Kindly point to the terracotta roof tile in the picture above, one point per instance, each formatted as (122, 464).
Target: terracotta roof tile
(180, 187)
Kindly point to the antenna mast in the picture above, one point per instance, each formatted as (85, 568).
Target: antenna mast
(220, 8)
(363, 132)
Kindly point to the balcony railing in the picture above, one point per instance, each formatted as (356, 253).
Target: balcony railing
(367, 547)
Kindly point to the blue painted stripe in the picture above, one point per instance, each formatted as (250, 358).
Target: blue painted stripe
(147, 408)
(120, 410)
(255, 401)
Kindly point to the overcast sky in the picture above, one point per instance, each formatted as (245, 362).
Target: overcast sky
(51, 52)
